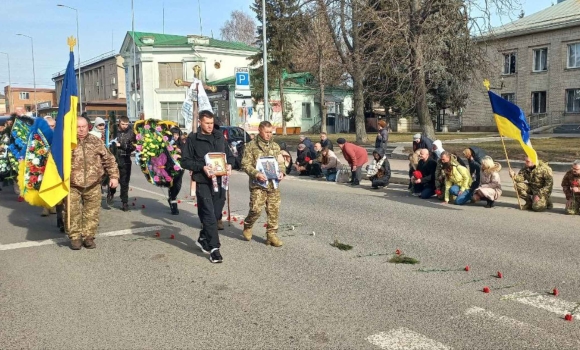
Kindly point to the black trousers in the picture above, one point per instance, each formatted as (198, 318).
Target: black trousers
(314, 169)
(210, 205)
(356, 175)
(124, 178)
(176, 186)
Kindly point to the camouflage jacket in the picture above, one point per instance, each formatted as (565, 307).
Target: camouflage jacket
(539, 179)
(254, 150)
(90, 161)
(570, 180)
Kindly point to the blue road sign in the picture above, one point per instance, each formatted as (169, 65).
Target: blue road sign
(242, 79)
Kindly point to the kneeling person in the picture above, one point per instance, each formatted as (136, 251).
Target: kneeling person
(534, 185)
(571, 188)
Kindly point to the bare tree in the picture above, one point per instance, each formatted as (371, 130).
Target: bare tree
(315, 52)
(240, 27)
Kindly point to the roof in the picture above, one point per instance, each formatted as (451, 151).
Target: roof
(181, 40)
(225, 81)
(29, 89)
(562, 15)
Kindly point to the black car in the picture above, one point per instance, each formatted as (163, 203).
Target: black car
(237, 137)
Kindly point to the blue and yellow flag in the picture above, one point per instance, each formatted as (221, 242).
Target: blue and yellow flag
(511, 122)
(56, 181)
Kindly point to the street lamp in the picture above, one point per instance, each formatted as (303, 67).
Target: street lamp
(78, 55)
(33, 71)
(9, 81)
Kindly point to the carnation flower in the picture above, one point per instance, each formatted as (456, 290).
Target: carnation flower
(147, 126)
(158, 128)
(165, 138)
(139, 148)
(169, 148)
(36, 161)
(168, 178)
(176, 167)
(138, 137)
(156, 178)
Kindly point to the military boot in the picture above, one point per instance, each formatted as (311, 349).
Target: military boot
(247, 233)
(220, 225)
(527, 206)
(125, 207)
(90, 243)
(273, 240)
(76, 244)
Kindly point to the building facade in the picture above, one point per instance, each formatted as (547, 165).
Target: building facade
(102, 85)
(160, 59)
(535, 63)
(23, 101)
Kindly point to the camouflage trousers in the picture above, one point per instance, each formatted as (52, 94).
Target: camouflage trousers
(85, 206)
(268, 198)
(574, 207)
(525, 193)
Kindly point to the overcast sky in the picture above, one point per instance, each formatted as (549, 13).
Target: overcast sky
(103, 25)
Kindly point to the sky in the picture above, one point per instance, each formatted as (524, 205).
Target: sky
(103, 25)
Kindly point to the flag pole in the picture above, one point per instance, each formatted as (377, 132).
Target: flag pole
(193, 130)
(510, 169)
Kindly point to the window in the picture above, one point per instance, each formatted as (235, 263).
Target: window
(172, 111)
(510, 97)
(306, 113)
(168, 72)
(24, 95)
(509, 63)
(538, 102)
(574, 55)
(573, 100)
(541, 60)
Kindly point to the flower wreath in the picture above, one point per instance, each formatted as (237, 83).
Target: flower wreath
(8, 164)
(155, 153)
(33, 165)
(19, 138)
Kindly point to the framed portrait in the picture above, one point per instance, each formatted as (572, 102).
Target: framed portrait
(218, 163)
(269, 167)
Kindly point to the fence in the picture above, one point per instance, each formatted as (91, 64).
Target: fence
(545, 119)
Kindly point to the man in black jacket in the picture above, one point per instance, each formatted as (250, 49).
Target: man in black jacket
(325, 141)
(427, 167)
(125, 142)
(210, 199)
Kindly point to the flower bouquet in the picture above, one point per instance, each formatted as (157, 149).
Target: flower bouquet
(19, 138)
(32, 167)
(156, 155)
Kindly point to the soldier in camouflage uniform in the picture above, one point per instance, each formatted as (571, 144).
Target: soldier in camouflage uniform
(534, 185)
(571, 188)
(269, 196)
(90, 161)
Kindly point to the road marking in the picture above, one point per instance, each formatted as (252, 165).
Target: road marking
(405, 339)
(31, 244)
(478, 311)
(542, 301)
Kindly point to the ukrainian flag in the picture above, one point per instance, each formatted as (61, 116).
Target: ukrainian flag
(56, 180)
(511, 122)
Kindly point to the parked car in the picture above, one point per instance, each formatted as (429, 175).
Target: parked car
(237, 138)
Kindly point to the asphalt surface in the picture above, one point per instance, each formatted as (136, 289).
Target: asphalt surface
(136, 291)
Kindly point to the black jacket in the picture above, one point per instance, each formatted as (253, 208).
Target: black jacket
(326, 143)
(427, 169)
(301, 156)
(309, 145)
(475, 165)
(386, 166)
(126, 141)
(196, 147)
(425, 143)
(382, 139)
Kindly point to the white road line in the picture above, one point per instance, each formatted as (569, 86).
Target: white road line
(405, 339)
(31, 244)
(504, 320)
(542, 301)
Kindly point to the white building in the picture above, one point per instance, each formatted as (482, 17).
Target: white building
(161, 58)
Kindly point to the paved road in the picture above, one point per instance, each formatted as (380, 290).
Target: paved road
(135, 291)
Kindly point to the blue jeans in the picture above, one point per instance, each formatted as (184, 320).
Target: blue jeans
(330, 174)
(461, 198)
(427, 193)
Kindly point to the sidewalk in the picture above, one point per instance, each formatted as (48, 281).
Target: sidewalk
(400, 175)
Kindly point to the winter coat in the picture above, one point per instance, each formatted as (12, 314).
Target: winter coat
(382, 174)
(490, 184)
(570, 180)
(90, 162)
(309, 145)
(301, 156)
(427, 169)
(458, 175)
(195, 149)
(382, 139)
(355, 155)
(332, 162)
(425, 142)
(126, 140)
(326, 144)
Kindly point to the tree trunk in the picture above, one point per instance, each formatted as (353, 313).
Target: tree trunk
(282, 107)
(418, 73)
(360, 127)
(323, 109)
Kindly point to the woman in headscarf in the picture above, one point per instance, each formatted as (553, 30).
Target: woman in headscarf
(287, 157)
(490, 184)
(330, 164)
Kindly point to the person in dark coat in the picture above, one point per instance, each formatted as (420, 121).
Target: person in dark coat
(382, 169)
(210, 198)
(325, 141)
(175, 187)
(382, 135)
(474, 156)
(309, 145)
(422, 141)
(425, 183)
(303, 156)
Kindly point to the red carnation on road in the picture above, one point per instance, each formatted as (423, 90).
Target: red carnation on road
(486, 290)
(499, 275)
(569, 317)
(467, 268)
(555, 292)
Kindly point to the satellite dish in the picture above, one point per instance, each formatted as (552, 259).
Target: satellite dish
(135, 95)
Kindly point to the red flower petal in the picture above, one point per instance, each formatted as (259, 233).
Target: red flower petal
(466, 268)
(172, 237)
(569, 317)
(133, 203)
(555, 292)
(195, 205)
(398, 252)
(486, 290)
(179, 201)
(157, 234)
(499, 275)
(265, 225)
(225, 212)
(235, 218)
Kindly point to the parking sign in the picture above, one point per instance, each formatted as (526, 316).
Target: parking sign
(242, 78)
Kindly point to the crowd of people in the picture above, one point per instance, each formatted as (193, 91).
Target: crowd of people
(433, 172)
